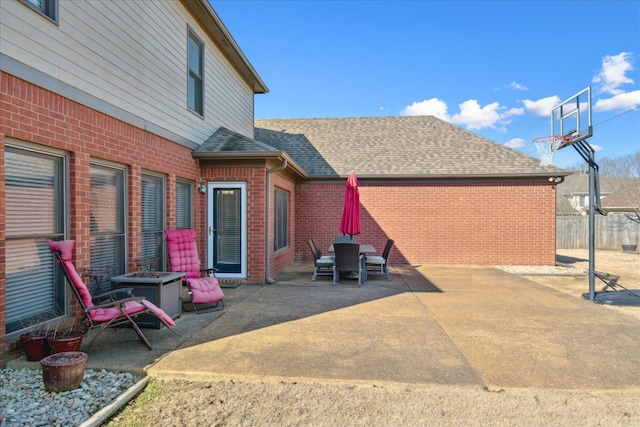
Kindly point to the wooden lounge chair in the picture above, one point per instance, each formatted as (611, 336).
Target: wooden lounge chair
(118, 307)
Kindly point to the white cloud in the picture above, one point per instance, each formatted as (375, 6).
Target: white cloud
(541, 107)
(428, 107)
(596, 147)
(471, 115)
(612, 74)
(622, 101)
(515, 143)
(517, 86)
(476, 117)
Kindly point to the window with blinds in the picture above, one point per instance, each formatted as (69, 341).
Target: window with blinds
(35, 211)
(153, 219)
(184, 204)
(281, 225)
(107, 225)
(229, 239)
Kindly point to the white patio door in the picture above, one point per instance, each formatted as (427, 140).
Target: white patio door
(227, 228)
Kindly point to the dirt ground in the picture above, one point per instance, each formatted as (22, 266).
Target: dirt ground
(234, 403)
(624, 265)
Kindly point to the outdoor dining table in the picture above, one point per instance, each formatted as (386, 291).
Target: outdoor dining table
(365, 249)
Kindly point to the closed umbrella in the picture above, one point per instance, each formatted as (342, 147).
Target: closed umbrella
(350, 222)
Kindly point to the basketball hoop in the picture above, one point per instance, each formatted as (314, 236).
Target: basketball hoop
(547, 147)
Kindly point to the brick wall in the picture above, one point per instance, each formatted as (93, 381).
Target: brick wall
(466, 223)
(32, 114)
(255, 178)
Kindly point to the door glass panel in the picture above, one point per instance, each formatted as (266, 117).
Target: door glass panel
(228, 221)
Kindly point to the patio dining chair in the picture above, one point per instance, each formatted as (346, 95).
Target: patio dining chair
(119, 306)
(323, 266)
(377, 263)
(348, 260)
(202, 284)
(319, 251)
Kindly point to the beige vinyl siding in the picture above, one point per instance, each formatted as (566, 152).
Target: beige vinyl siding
(132, 55)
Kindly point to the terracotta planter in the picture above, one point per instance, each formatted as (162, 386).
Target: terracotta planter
(35, 348)
(65, 344)
(63, 371)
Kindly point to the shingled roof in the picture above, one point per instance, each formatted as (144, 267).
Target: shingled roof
(403, 147)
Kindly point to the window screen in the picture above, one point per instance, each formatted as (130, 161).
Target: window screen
(107, 222)
(152, 219)
(184, 204)
(35, 212)
(281, 220)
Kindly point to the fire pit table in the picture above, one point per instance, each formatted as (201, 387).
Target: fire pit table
(163, 288)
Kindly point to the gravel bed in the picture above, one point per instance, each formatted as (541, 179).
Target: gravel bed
(25, 402)
(542, 270)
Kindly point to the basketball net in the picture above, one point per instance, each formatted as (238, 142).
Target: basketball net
(547, 147)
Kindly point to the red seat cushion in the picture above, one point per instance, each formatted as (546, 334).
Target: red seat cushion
(205, 290)
(183, 252)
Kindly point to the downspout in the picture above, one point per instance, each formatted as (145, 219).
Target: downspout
(267, 261)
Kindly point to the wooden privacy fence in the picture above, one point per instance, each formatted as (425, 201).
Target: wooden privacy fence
(612, 231)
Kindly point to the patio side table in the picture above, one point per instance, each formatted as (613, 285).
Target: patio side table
(162, 288)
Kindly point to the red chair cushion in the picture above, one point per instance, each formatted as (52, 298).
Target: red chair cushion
(100, 315)
(183, 252)
(205, 290)
(65, 248)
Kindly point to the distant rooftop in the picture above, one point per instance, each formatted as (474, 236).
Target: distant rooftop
(402, 147)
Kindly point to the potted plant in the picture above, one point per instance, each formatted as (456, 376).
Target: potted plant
(35, 344)
(66, 336)
(63, 371)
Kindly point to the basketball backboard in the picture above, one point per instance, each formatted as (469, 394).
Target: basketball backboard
(572, 118)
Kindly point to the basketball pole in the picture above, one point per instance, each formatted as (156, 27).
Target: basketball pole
(587, 152)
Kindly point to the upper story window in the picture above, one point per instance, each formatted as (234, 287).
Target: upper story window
(195, 77)
(48, 8)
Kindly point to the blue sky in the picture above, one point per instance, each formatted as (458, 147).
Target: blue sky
(495, 68)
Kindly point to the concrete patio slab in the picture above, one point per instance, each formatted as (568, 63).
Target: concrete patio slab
(427, 325)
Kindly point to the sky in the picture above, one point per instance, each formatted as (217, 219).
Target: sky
(495, 68)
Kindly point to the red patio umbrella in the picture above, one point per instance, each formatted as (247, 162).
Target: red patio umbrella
(350, 222)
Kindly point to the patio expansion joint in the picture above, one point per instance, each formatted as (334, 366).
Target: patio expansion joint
(469, 365)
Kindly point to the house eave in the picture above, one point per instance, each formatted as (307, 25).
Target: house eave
(211, 22)
(278, 156)
(397, 177)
